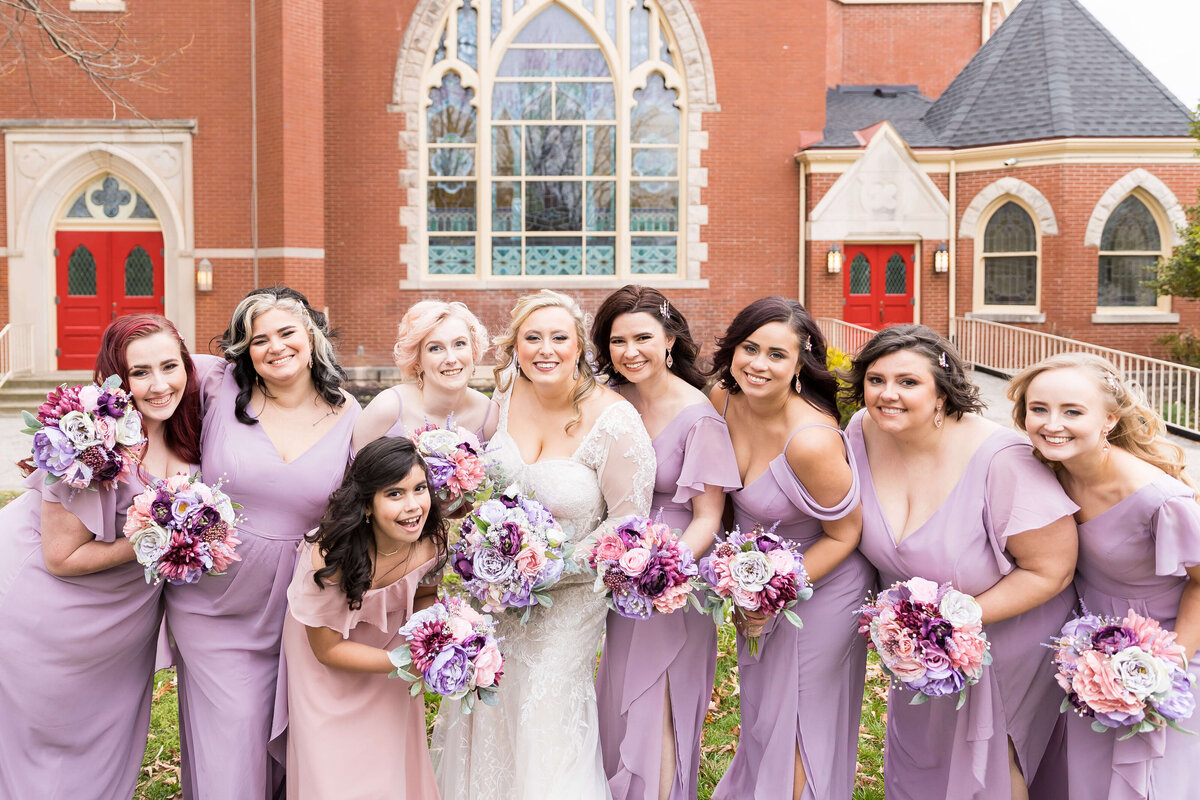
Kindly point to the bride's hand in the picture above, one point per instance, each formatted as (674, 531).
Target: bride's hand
(749, 623)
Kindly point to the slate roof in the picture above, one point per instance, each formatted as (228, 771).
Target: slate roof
(1050, 71)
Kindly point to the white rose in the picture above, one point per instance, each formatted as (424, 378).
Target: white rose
(750, 570)
(150, 543)
(129, 428)
(78, 427)
(1141, 673)
(439, 441)
(960, 610)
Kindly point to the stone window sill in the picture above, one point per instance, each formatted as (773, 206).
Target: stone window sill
(564, 283)
(97, 5)
(1007, 316)
(1134, 318)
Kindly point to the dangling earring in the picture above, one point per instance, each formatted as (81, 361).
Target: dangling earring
(798, 387)
(576, 370)
(420, 380)
(670, 361)
(1105, 447)
(310, 362)
(937, 418)
(517, 365)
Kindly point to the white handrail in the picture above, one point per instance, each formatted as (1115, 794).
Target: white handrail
(16, 350)
(844, 336)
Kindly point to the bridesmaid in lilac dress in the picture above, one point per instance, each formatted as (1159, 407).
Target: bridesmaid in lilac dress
(78, 620)
(656, 675)
(801, 696)
(950, 496)
(1139, 549)
(439, 347)
(277, 427)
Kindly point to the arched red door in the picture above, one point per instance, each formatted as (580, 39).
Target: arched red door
(877, 281)
(101, 275)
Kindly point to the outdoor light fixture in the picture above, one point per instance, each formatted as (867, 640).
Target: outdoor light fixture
(941, 258)
(833, 260)
(204, 275)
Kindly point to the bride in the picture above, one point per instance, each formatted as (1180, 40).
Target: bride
(583, 452)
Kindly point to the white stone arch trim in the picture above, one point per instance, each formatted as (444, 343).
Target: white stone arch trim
(1148, 183)
(34, 224)
(1040, 207)
(409, 99)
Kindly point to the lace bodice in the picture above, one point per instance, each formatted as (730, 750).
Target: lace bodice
(542, 741)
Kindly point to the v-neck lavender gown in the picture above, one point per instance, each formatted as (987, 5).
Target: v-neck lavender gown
(931, 749)
(398, 430)
(643, 657)
(1134, 556)
(227, 629)
(76, 655)
(804, 688)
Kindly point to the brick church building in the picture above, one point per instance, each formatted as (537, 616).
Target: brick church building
(881, 160)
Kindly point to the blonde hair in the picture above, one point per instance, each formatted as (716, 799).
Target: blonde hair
(1138, 430)
(506, 346)
(420, 320)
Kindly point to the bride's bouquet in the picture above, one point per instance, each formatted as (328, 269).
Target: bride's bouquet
(640, 567)
(182, 529)
(451, 651)
(456, 466)
(510, 552)
(761, 571)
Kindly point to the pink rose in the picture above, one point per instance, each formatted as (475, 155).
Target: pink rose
(1097, 686)
(460, 629)
(782, 561)
(608, 548)
(744, 599)
(89, 397)
(905, 647)
(885, 635)
(469, 614)
(634, 561)
(178, 482)
(488, 663)
(106, 432)
(672, 599)
(530, 561)
(923, 591)
(907, 669)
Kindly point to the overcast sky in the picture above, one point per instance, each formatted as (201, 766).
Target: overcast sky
(1162, 34)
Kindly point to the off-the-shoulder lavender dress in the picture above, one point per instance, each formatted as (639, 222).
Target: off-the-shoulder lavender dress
(804, 688)
(352, 734)
(931, 749)
(227, 629)
(76, 655)
(1135, 556)
(398, 430)
(642, 658)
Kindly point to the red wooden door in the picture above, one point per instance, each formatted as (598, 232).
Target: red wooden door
(878, 284)
(101, 275)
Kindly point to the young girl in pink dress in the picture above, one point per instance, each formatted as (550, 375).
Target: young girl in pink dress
(372, 562)
(1139, 549)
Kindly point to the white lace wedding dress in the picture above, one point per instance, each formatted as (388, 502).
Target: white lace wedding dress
(542, 741)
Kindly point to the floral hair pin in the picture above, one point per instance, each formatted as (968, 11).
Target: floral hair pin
(1111, 381)
(942, 362)
(665, 309)
(808, 343)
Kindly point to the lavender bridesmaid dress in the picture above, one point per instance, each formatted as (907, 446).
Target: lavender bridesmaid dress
(804, 688)
(399, 431)
(643, 657)
(931, 749)
(1134, 556)
(227, 629)
(77, 659)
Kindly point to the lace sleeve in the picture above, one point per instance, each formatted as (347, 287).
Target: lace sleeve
(624, 461)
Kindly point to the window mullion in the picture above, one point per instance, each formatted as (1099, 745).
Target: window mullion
(623, 145)
(483, 141)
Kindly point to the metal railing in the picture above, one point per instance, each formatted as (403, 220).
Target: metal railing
(1173, 390)
(16, 350)
(844, 336)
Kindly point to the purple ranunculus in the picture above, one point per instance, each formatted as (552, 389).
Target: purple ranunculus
(509, 539)
(940, 684)
(937, 631)
(539, 516)
(109, 404)
(462, 566)
(550, 573)
(440, 471)
(706, 571)
(182, 505)
(654, 580)
(768, 542)
(933, 657)
(1119, 719)
(450, 670)
(160, 508)
(632, 605)
(510, 502)
(203, 521)
(1180, 703)
(473, 644)
(52, 450)
(1113, 639)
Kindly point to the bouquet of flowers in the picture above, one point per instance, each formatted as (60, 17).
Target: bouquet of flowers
(83, 434)
(761, 571)
(510, 552)
(451, 651)
(181, 529)
(641, 566)
(929, 638)
(1123, 672)
(456, 468)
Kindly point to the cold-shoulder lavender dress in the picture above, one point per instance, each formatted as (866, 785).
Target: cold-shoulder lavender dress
(1135, 556)
(227, 629)
(643, 657)
(931, 749)
(398, 430)
(76, 655)
(804, 688)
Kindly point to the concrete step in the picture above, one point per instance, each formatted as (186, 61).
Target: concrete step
(29, 391)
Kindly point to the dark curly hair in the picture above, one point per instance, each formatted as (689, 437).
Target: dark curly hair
(631, 299)
(344, 535)
(327, 374)
(819, 385)
(946, 365)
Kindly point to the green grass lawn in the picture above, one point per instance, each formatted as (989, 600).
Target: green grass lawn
(160, 769)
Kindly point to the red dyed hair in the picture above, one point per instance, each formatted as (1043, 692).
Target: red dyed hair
(182, 430)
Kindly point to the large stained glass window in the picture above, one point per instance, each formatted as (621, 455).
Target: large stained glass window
(552, 143)
(1130, 248)
(1010, 259)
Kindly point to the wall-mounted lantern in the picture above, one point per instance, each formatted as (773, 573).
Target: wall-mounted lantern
(941, 258)
(204, 275)
(833, 260)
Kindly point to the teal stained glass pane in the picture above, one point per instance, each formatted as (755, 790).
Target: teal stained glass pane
(601, 206)
(451, 117)
(506, 206)
(1010, 230)
(451, 206)
(553, 206)
(554, 150)
(653, 255)
(451, 256)
(139, 274)
(554, 25)
(653, 206)
(860, 275)
(468, 45)
(639, 34)
(655, 118)
(553, 62)
(601, 255)
(648, 163)
(79, 208)
(553, 256)
(601, 150)
(1131, 226)
(506, 256)
(895, 277)
(454, 162)
(521, 101)
(585, 101)
(81, 273)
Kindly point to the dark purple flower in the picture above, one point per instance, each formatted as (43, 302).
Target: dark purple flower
(473, 644)
(109, 404)
(462, 566)
(769, 541)
(777, 594)
(160, 508)
(936, 630)
(202, 521)
(450, 670)
(654, 580)
(1113, 639)
(105, 464)
(509, 539)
